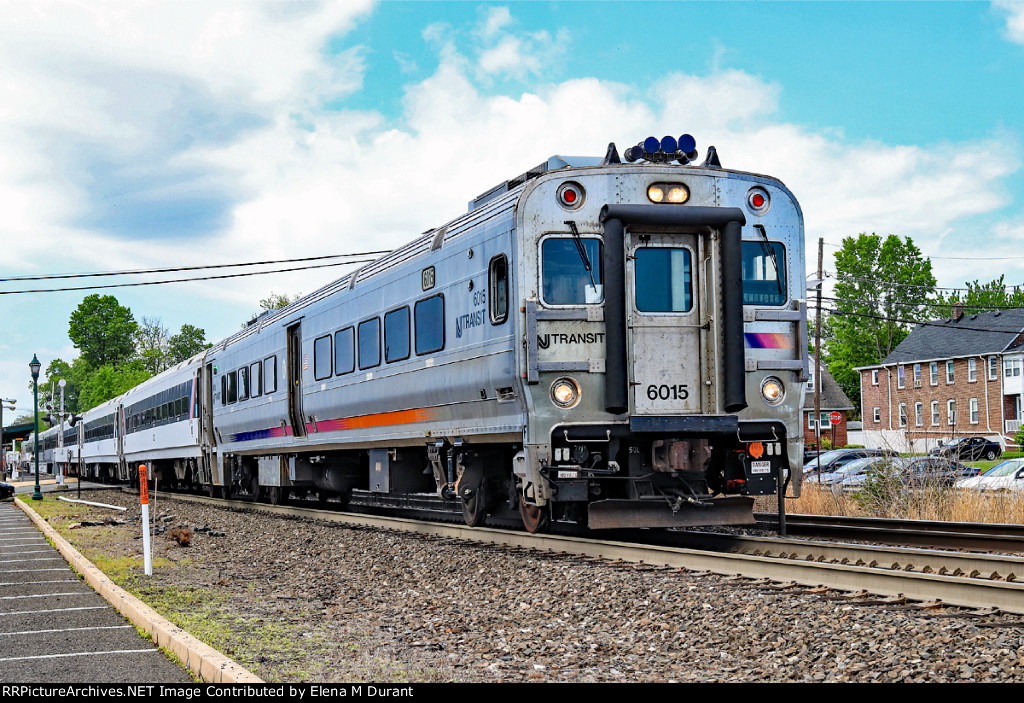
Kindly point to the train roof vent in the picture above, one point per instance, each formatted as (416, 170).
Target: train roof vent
(552, 164)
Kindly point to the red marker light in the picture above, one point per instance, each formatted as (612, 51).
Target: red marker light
(569, 195)
(757, 200)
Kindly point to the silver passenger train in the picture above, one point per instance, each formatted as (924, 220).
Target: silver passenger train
(607, 343)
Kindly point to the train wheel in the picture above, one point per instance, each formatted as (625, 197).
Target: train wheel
(474, 507)
(535, 518)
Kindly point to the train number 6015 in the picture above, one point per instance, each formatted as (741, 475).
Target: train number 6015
(663, 392)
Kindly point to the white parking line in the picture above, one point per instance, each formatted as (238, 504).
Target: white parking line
(18, 561)
(32, 551)
(32, 571)
(51, 595)
(66, 629)
(34, 583)
(80, 654)
(55, 610)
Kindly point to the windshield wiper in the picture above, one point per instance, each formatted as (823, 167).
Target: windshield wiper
(769, 250)
(582, 250)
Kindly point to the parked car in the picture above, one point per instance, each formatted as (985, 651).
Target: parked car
(917, 472)
(6, 490)
(969, 449)
(835, 459)
(857, 467)
(1007, 476)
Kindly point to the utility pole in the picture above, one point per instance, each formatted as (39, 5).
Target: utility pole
(817, 355)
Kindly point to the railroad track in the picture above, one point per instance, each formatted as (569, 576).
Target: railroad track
(969, 536)
(931, 578)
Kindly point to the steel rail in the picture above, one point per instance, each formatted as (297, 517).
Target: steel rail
(923, 533)
(953, 590)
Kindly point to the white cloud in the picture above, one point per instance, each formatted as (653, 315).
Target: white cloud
(1014, 11)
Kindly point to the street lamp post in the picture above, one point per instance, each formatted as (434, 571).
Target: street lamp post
(34, 367)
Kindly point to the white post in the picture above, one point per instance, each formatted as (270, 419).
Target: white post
(144, 496)
(58, 468)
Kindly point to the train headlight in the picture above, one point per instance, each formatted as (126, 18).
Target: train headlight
(772, 391)
(565, 393)
(668, 193)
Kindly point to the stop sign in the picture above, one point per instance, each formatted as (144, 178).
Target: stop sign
(834, 418)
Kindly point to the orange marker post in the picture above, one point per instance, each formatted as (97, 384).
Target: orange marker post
(147, 555)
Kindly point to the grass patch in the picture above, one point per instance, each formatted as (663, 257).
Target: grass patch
(931, 504)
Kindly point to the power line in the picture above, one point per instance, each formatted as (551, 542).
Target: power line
(186, 280)
(925, 323)
(57, 276)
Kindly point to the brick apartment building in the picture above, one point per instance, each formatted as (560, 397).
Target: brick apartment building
(832, 400)
(949, 378)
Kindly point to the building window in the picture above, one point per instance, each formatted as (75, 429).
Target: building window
(825, 422)
(901, 380)
(917, 375)
(877, 415)
(874, 377)
(918, 414)
(949, 372)
(903, 414)
(972, 370)
(935, 412)
(1011, 367)
(974, 411)
(993, 368)
(933, 373)
(951, 412)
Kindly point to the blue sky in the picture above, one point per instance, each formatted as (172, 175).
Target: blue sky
(160, 134)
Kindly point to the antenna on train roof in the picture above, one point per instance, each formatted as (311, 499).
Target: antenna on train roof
(611, 156)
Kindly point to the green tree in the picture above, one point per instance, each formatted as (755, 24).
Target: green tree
(983, 297)
(109, 381)
(151, 344)
(103, 331)
(882, 288)
(186, 344)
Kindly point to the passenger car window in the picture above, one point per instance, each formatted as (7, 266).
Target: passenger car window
(344, 351)
(255, 378)
(369, 343)
(270, 374)
(396, 335)
(498, 281)
(429, 314)
(564, 276)
(322, 357)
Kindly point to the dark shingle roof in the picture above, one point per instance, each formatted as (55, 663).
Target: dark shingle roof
(983, 333)
(832, 396)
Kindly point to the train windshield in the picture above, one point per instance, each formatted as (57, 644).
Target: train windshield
(566, 280)
(763, 283)
(664, 279)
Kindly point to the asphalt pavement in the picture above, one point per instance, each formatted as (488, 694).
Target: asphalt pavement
(54, 628)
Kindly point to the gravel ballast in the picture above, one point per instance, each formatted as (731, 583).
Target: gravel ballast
(304, 600)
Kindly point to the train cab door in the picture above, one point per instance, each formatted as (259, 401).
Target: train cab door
(295, 364)
(666, 316)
